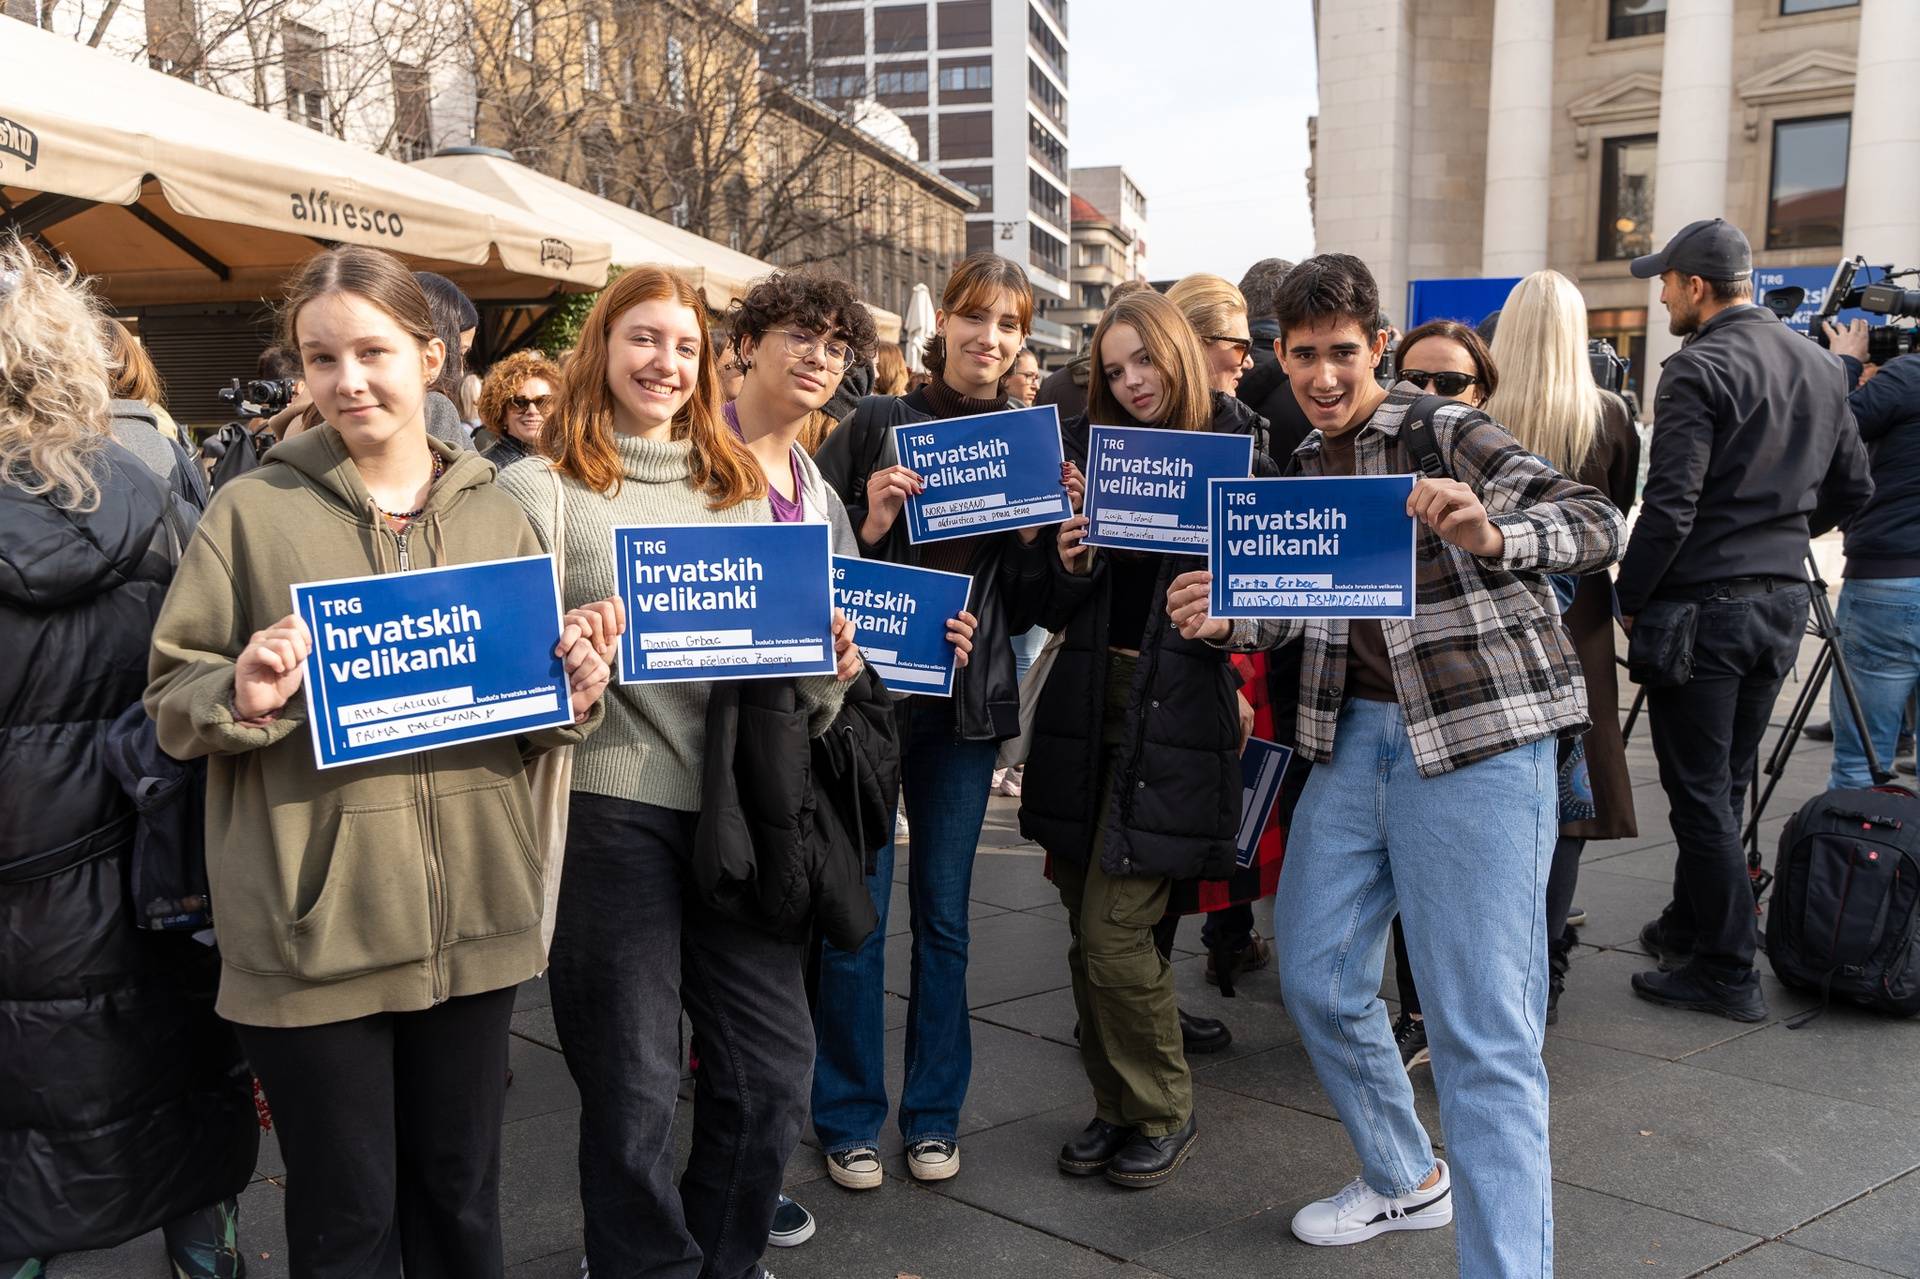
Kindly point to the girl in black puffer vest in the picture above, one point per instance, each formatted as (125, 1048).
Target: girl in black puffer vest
(1133, 774)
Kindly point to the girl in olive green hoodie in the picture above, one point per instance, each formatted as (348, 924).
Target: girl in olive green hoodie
(375, 919)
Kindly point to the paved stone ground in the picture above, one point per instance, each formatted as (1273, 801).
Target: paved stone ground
(1682, 1143)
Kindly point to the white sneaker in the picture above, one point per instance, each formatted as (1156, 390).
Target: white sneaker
(1359, 1212)
(933, 1159)
(856, 1169)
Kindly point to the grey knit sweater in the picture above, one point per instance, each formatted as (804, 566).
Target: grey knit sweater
(650, 747)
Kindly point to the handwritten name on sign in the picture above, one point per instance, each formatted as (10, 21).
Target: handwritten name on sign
(1312, 546)
(984, 474)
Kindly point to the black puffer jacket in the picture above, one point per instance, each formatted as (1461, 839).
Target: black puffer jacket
(123, 1102)
(1175, 804)
(1009, 575)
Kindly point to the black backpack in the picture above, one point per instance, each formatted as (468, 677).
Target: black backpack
(1846, 901)
(236, 450)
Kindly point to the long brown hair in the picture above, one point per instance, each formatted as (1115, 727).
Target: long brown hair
(134, 377)
(579, 434)
(1173, 347)
(974, 285)
(373, 274)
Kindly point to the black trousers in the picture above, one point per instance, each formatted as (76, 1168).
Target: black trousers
(630, 949)
(1706, 736)
(390, 1126)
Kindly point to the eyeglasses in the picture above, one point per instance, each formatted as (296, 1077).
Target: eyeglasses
(522, 403)
(835, 355)
(1443, 383)
(1024, 377)
(1240, 346)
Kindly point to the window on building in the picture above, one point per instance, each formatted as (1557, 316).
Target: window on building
(1041, 88)
(520, 33)
(590, 56)
(173, 44)
(1045, 147)
(1093, 297)
(964, 134)
(966, 24)
(303, 54)
(1626, 197)
(785, 57)
(1049, 251)
(1807, 198)
(900, 30)
(840, 33)
(979, 237)
(676, 71)
(1814, 6)
(837, 86)
(782, 13)
(629, 80)
(1047, 198)
(412, 112)
(1635, 18)
(901, 84)
(1043, 39)
(966, 79)
(978, 181)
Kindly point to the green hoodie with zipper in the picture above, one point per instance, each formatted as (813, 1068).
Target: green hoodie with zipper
(381, 887)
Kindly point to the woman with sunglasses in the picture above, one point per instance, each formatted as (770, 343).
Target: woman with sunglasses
(514, 404)
(1218, 313)
(947, 745)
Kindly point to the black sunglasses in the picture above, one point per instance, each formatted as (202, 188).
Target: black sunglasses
(1241, 346)
(1443, 383)
(525, 402)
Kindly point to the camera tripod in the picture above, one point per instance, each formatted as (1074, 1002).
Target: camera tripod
(1830, 660)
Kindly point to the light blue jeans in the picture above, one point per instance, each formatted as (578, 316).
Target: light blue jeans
(1464, 858)
(1879, 624)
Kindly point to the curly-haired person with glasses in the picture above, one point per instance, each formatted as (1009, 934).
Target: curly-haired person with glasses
(514, 405)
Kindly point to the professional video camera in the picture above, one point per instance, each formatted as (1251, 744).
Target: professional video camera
(260, 397)
(1609, 367)
(1884, 341)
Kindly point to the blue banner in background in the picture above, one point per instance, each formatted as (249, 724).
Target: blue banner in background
(1814, 279)
(1147, 488)
(406, 662)
(1312, 546)
(984, 474)
(1262, 766)
(724, 601)
(1469, 300)
(899, 615)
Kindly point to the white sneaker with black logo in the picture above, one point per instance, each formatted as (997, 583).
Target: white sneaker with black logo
(1359, 1212)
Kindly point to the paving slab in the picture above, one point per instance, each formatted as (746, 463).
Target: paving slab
(541, 1082)
(263, 1241)
(1784, 1261)
(1014, 1075)
(1845, 1052)
(1757, 1158)
(1012, 878)
(533, 993)
(1250, 1156)
(1617, 905)
(1880, 1229)
(1599, 1007)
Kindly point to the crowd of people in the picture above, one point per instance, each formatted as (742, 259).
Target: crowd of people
(374, 921)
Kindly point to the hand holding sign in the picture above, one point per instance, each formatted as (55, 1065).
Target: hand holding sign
(1453, 512)
(846, 653)
(887, 493)
(1187, 607)
(601, 623)
(270, 668)
(1075, 555)
(960, 634)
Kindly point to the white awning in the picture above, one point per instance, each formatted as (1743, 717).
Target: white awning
(171, 193)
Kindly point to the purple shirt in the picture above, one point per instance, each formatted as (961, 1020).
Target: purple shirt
(784, 511)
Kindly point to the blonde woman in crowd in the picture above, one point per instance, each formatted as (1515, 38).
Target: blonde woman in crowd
(889, 370)
(1218, 313)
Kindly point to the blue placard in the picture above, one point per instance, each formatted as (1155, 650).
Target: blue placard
(405, 662)
(1147, 488)
(984, 474)
(1263, 764)
(899, 615)
(724, 601)
(1311, 546)
(1814, 279)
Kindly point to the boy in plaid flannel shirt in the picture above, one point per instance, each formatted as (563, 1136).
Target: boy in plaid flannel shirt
(1433, 793)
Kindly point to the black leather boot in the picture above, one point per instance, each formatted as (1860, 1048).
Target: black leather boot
(1147, 1161)
(1089, 1154)
(1203, 1034)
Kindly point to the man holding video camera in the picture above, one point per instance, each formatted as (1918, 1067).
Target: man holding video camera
(1751, 434)
(1879, 613)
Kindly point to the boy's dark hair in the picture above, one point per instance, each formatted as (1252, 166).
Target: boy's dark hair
(815, 302)
(1330, 286)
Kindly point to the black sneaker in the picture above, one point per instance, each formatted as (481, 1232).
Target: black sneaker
(1410, 1035)
(1577, 917)
(1669, 950)
(792, 1225)
(1818, 730)
(1694, 990)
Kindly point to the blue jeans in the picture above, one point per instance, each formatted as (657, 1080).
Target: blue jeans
(1464, 858)
(1026, 647)
(945, 783)
(1879, 623)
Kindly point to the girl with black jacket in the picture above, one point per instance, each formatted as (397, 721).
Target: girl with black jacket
(1133, 775)
(947, 744)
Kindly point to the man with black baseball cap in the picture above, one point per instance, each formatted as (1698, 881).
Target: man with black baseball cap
(1751, 433)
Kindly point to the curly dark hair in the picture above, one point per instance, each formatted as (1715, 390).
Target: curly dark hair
(1332, 286)
(817, 303)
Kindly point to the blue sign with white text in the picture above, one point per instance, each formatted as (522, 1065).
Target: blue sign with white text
(1815, 280)
(984, 474)
(1262, 766)
(1312, 546)
(1147, 488)
(405, 662)
(724, 601)
(899, 615)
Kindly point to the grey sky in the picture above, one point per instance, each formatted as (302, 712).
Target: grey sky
(1205, 102)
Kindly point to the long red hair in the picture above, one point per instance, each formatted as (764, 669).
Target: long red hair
(579, 435)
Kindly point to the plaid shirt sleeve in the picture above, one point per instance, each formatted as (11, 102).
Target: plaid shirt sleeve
(1550, 523)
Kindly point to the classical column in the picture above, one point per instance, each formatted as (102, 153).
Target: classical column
(1363, 151)
(1513, 238)
(1696, 121)
(1883, 161)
